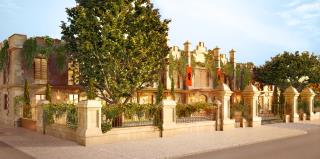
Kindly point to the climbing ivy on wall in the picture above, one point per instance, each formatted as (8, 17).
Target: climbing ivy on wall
(179, 66)
(172, 68)
(4, 55)
(48, 92)
(27, 107)
(210, 65)
(32, 49)
(243, 76)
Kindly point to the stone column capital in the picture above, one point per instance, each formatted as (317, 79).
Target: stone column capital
(251, 91)
(307, 92)
(291, 92)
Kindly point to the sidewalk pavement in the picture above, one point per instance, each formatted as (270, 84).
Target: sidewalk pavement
(43, 146)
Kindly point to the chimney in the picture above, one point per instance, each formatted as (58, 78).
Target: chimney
(233, 62)
(187, 52)
(216, 55)
(232, 57)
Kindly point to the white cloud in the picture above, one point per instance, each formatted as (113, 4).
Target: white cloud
(9, 4)
(309, 7)
(228, 17)
(294, 3)
(306, 17)
(302, 14)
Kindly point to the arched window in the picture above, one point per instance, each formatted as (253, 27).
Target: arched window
(202, 98)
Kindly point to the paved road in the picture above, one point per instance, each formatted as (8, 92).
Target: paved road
(301, 147)
(8, 152)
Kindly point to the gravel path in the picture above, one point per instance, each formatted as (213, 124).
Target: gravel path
(42, 146)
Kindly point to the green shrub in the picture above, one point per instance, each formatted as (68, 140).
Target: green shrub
(240, 107)
(106, 127)
(317, 103)
(185, 110)
(129, 110)
(52, 111)
(303, 107)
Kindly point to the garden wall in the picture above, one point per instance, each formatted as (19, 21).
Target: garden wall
(61, 131)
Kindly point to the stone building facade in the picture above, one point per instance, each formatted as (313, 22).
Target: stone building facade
(65, 89)
(43, 71)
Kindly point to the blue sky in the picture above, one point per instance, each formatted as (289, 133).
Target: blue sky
(257, 30)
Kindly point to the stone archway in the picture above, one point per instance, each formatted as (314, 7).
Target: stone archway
(203, 98)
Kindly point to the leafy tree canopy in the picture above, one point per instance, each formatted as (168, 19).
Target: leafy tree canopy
(121, 44)
(296, 69)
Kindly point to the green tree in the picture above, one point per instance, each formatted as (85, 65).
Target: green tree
(120, 44)
(27, 107)
(48, 92)
(91, 93)
(275, 100)
(4, 55)
(296, 69)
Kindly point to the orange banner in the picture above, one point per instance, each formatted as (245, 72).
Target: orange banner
(189, 76)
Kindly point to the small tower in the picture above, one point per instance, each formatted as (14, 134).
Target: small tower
(187, 51)
(216, 55)
(233, 63)
(232, 57)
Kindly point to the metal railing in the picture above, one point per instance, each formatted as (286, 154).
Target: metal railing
(148, 115)
(208, 114)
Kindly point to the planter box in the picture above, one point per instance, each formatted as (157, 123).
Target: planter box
(29, 124)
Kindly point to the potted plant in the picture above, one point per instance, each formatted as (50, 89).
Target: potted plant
(303, 110)
(238, 113)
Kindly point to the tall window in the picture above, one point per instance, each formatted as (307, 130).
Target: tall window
(40, 69)
(6, 101)
(40, 97)
(73, 73)
(74, 98)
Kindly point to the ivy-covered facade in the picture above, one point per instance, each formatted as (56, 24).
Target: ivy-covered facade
(39, 70)
(42, 62)
(206, 65)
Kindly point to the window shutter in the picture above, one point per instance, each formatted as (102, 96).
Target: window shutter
(37, 68)
(44, 69)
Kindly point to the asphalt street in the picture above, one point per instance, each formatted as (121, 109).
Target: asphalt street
(301, 147)
(8, 152)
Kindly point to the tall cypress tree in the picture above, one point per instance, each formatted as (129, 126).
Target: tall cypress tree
(48, 92)
(275, 101)
(27, 107)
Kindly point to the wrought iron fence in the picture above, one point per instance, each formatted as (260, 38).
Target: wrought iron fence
(196, 112)
(130, 115)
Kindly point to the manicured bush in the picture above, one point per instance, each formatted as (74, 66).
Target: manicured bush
(52, 111)
(111, 113)
(185, 110)
(303, 107)
(240, 107)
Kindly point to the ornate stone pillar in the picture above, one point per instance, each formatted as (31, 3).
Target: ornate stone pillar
(89, 121)
(291, 101)
(307, 95)
(168, 117)
(168, 113)
(223, 93)
(250, 96)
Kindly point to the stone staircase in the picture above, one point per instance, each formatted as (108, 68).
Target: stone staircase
(270, 119)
